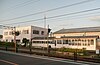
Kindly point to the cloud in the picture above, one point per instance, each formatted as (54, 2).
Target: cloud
(95, 18)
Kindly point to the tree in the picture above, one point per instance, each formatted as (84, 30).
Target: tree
(1, 36)
(25, 40)
(16, 33)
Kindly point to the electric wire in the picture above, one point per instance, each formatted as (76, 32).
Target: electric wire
(57, 16)
(49, 10)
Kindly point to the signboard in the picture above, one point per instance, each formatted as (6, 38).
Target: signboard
(97, 51)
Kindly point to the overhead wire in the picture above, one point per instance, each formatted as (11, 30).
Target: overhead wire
(49, 10)
(27, 3)
(57, 16)
(22, 4)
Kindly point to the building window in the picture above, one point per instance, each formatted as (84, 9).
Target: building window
(88, 41)
(73, 41)
(88, 44)
(85, 44)
(25, 31)
(59, 42)
(12, 40)
(92, 42)
(5, 33)
(6, 40)
(82, 40)
(69, 41)
(54, 41)
(65, 41)
(79, 39)
(17, 41)
(42, 32)
(10, 33)
(35, 32)
(80, 44)
(85, 40)
(76, 40)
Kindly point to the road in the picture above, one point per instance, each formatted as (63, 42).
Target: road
(11, 58)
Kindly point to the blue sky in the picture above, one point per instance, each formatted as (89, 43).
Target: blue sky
(15, 8)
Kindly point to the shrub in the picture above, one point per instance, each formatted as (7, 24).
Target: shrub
(7, 44)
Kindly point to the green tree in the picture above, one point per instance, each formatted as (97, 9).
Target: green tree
(26, 41)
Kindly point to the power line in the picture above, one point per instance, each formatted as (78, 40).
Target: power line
(49, 10)
(27, 3)
(53, 17)
(22, 4)
(74, 13)
(17, 5)
(80, 16)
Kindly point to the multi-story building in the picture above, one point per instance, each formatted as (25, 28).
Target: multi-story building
(27, 32)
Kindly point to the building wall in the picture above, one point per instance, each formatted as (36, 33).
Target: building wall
(98, 44)
(25, 32)
(40, 31)
(90, 47)
(77, 44)
(7, 36)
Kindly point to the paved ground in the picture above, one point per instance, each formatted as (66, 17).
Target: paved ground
(10, 58)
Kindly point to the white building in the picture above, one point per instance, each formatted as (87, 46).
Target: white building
(28, 32)
(87, 38)
(81, 38)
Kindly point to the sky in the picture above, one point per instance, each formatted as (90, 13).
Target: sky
(10, 9)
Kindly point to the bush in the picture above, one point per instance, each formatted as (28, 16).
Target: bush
(63, 49)
(7, 44)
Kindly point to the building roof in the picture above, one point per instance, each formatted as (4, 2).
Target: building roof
(40, 38)
(80, 37)
(76, 30)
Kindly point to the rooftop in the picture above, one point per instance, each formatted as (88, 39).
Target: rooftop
(76, 30)
(80, 37)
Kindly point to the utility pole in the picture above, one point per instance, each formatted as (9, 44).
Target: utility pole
(48, 43)
(30, 45)
(45, 34)
(47, 37)
(48, 46)
(15, 33)
(44, 21)
(15, 37)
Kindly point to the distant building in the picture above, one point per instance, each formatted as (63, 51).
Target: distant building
(81, 38)
(88, 38)
(28, 32)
